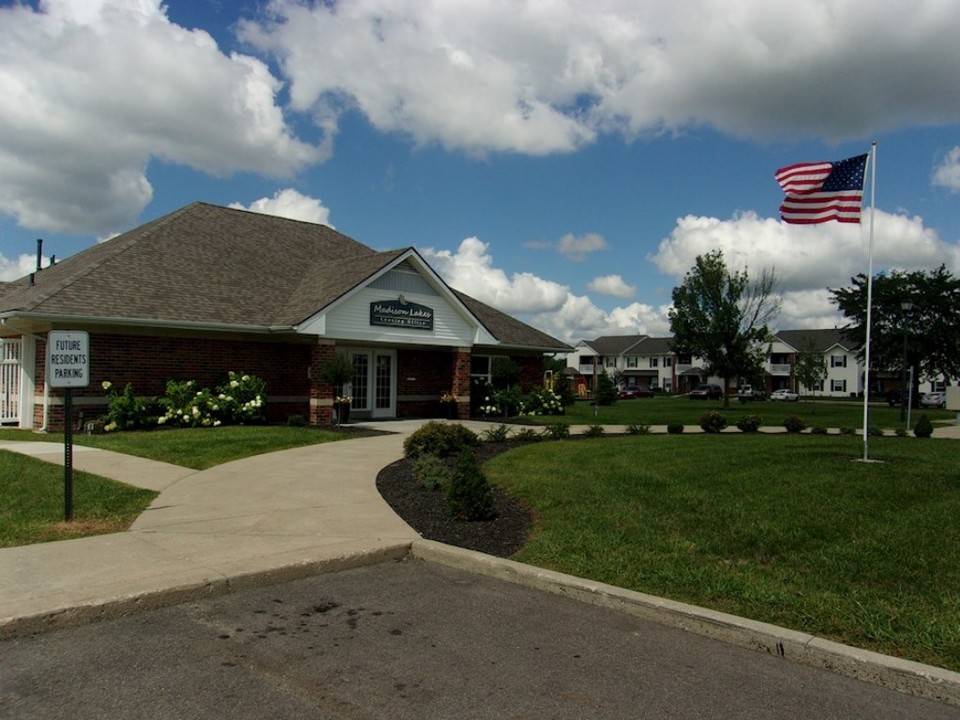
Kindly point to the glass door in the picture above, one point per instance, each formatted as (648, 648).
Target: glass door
(384, 384)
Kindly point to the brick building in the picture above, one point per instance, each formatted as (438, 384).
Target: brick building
(207, 289)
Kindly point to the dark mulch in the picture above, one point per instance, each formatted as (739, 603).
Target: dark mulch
(426, 511)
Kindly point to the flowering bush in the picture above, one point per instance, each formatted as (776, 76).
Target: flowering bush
(489, 407)
(542, 401)
(125, 411)
(342, 400)
(448, 397)
(238, 400)
(241, 399)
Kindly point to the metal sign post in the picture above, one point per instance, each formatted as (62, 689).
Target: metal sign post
(68, 366)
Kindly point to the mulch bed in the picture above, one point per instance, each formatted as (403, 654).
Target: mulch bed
(427, 512)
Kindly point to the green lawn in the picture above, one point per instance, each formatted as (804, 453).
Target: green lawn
(784, 529)
(31, 502)
(665, 409)
(198, 448)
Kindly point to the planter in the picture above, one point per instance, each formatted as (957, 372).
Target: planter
(450, 410)
(343, 413)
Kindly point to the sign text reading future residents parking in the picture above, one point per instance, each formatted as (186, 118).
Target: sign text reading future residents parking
(68, 359)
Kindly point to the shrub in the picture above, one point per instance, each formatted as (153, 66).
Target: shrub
(441, 439)
(469, 495)
(508, 400)
(185, 406)
(606, 391)
(749, 423)
(542, 401)
(875, 431)
(241, 399)
(847, 431)
(431, 472)
(818, 430)
(923, 428)
(124, 411)
(297, 421)
(528, 435)
(595, 431)
(557, 431)
(675, 428)
(901, 432)
(497, 433)
(638, 429)
(713, 421)
(794, 424)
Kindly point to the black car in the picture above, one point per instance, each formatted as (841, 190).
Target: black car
(632, 391)
(706, 392)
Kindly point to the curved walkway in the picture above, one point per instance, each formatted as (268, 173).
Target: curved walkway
(299, 512)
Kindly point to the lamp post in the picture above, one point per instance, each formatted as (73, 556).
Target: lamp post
(906, 306)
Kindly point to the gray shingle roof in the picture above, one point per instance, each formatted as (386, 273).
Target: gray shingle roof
(819, 340)
(214, 265)
(611, 345)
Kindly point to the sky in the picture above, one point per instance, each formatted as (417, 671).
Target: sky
(562, 160)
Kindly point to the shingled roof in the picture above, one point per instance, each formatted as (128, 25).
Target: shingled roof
(819, 340)
(210, 265)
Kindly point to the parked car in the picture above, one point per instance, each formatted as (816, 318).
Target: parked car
(895, 398)
(934, 399)
(784, 395)
(705, 392)
(748, 392)
(632, 391)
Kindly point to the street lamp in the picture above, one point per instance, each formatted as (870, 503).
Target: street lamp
(906, 306)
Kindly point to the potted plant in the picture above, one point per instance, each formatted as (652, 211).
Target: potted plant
(448, 402)
(337, 371)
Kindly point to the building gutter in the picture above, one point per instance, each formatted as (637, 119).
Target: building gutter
(11, 319)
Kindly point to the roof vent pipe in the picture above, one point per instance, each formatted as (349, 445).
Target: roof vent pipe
(39, 253)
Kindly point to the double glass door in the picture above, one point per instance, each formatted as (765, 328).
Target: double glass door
(374, 387)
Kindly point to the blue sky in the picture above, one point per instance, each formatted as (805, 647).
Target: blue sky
(562, 161)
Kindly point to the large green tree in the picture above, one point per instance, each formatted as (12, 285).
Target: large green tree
(931, 322)
(723, 317)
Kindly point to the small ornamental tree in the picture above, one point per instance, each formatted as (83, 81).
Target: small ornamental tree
(469, 495)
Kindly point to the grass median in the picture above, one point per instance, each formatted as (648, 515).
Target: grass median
(785, 529)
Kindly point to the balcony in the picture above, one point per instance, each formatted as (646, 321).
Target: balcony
(779, 369)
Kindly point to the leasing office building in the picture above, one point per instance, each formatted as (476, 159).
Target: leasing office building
(207, 289)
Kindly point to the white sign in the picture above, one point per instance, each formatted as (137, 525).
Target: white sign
(68, 359)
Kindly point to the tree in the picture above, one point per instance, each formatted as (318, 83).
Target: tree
(723, 318)
(930, 326)
(811, 367)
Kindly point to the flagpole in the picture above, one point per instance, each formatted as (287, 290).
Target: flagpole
(866, 357)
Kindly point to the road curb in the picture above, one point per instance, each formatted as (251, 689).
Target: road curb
(906, 676)
(72, 616)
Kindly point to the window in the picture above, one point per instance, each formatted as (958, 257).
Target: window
(668, 361)
(684, 359)
(667, 386)
(838, 361)
(838, 386)
(587, 359)
(654, 362)
(610, 362)
(632, 361)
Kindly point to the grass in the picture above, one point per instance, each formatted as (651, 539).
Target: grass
(31, 502)
(194, 448)
(31, 491)
(783, 529)
(665, 409)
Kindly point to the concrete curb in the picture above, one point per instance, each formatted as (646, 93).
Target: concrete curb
(72, 616)
(904, 675)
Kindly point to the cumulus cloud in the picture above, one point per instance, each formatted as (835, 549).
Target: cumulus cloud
(14, 268)
(471, 270)
(289, 203)
(947, 173)
(806, 259)
(539, 78)
(577, 248)
(92, 91)
(611, 285)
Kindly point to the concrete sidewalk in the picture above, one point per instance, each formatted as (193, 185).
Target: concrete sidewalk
(296, 513)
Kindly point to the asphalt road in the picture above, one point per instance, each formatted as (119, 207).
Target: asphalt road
(414, 640)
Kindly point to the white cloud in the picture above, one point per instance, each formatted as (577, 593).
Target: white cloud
(577, 248)
(470, 269)
(611, 285)
(947, 173)
(536, 78)
(92, 91)
(289, 203)
(12, 269)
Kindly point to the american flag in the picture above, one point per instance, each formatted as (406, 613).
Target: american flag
(823, 191)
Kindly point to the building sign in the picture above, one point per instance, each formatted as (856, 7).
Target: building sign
(68, 359)
(400, 313)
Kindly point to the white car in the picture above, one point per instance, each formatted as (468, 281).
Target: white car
(934, 399)
(784, 395)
